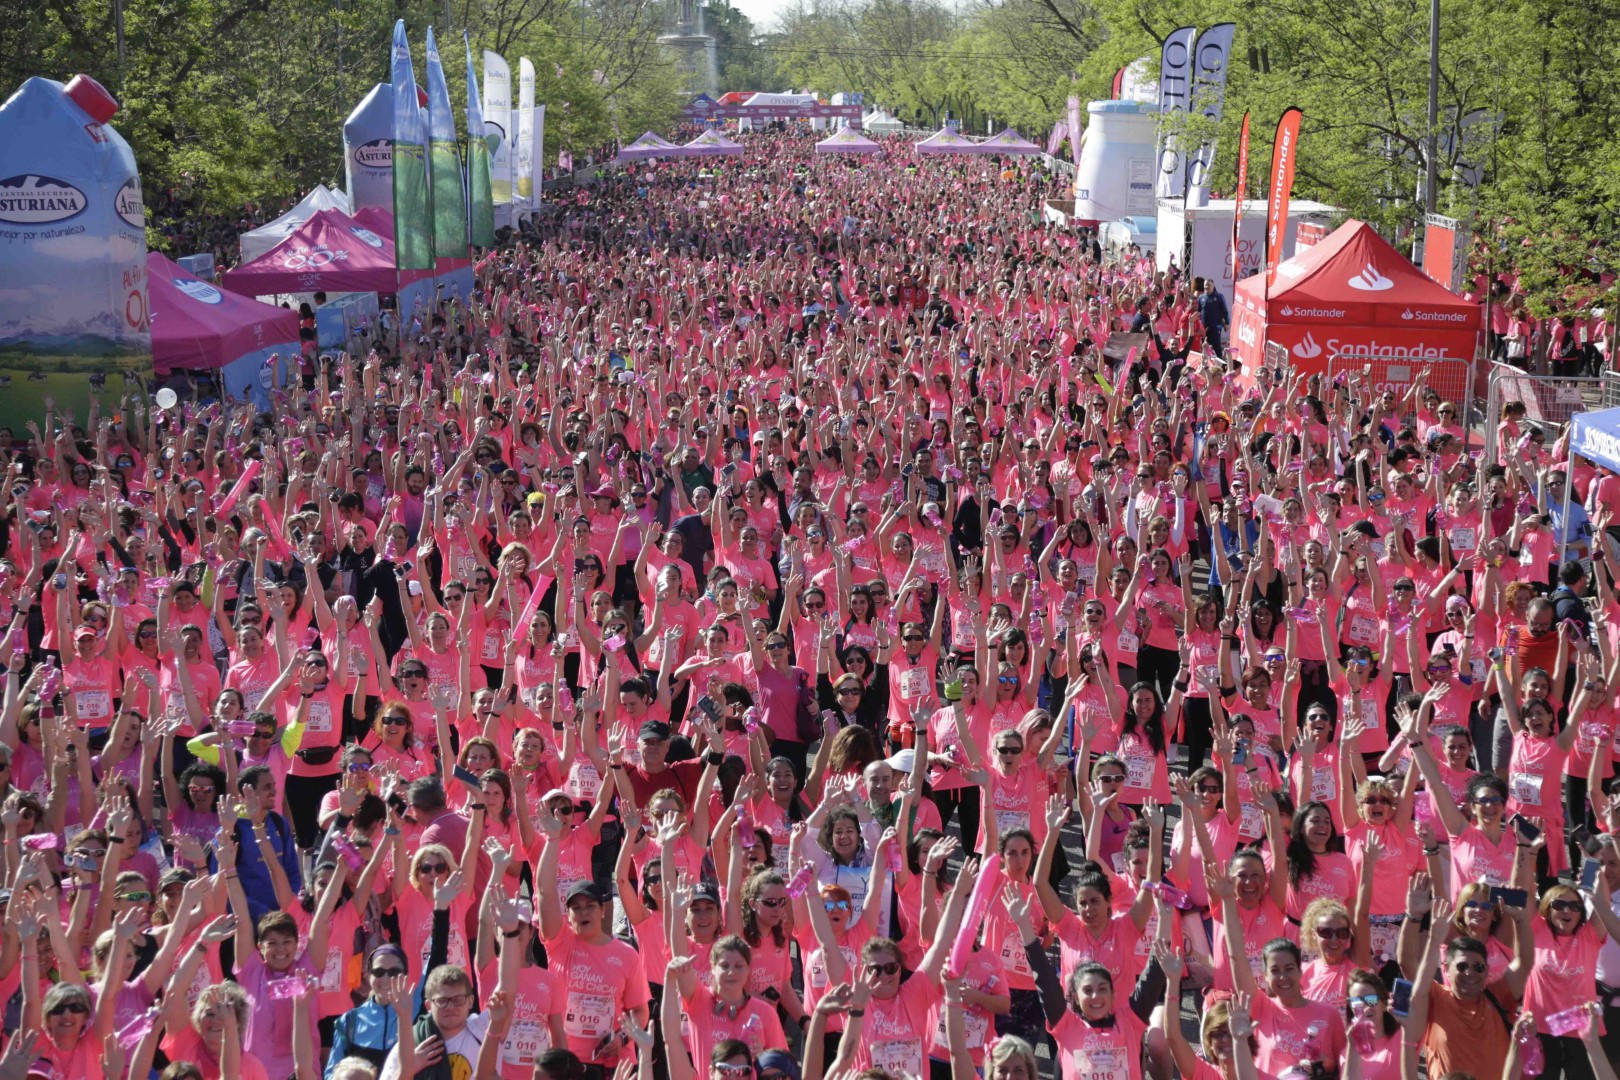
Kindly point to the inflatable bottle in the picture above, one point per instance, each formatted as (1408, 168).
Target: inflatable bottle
(73, 299)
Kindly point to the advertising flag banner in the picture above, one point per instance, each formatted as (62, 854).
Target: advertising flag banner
(444, 163)
(1241, 196)
(480, 204)
(74, 316)
(1075, 128)
(413, 207)
(523, 161)
(1284, 150)
(1210, 58)
(497, 101)
(1175, 91)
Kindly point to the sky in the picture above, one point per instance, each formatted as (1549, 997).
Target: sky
(762, 12)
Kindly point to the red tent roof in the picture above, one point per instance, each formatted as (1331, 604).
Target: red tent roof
(1355, 277)
(195, 325)
(330, 252)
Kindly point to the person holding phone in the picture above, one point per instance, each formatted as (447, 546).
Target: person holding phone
(1539, 751)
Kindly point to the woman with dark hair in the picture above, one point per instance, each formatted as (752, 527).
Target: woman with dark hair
(1317, 864)
(1144, 736)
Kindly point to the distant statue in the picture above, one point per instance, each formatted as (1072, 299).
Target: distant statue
(688, 16)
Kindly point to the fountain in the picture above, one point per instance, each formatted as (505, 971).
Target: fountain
(695, 50)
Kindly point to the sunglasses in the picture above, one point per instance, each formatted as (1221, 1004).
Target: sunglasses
(396, 721)
(141, 897)
(1378, 800)
(1478, 905)
(730, 1069)
(773, 902)
(849, 691)
(1009, 751)
(1368, 1000)
(77, 1008)
(914, 637)
(835, 905)
(1567, 905)
(887, 968)
(1334, 933)
(1475, 968)
(1488, 800)
(387, 972)
(434, 868)
(1112, 778)
(1209, 789)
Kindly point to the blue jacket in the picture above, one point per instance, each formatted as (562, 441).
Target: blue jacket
(1212, 309)
(250, 867)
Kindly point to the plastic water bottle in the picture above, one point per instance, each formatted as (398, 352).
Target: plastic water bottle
(799, 884)
(1531, 1060)
(745, 822)
(1361, 1030)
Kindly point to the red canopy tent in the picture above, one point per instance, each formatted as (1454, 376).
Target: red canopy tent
(1352, 293)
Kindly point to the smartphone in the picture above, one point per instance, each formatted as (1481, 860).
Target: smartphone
(1400, 998)
(1240, 752)
(397, 803)
(1589, 875)
(708, 708)
(78, 861)
(1514, 898)
(468, 777)
(1527, 832)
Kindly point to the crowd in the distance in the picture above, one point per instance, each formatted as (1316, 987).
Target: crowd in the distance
(762, 637)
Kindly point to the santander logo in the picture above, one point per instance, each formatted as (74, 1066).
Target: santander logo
(1307, 348)
(1370, 280)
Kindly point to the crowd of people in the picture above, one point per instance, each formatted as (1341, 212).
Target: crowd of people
(766, 634)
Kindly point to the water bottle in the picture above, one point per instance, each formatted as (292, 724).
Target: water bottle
(1531, 1060)
(894, 856)
(799, 884)
(1361, 1030)
(745, 822)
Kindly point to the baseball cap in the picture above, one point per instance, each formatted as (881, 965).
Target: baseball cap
(83, 632)
(588, 889)
(903, 761)
(779, 1061)
(655, 729)
(706, 890)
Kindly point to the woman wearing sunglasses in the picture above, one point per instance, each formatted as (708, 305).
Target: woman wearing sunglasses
(893, 1017)
(828, 924)
(1481, 918)
(1338, 941)
(1539, 753)
(1567, 941)
(1367, 1003)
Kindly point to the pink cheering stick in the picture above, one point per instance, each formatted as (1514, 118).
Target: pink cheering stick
(239, 489)
(984, 889)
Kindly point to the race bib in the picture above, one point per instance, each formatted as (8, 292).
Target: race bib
(1463, 539)
(1208, 676)
(320, 716)
(1526, 788)
(1253, 823)
(914, 684)
(1363, 629)
(332, 973)
(492, 647)
(1128, 642)
(902, 1057)
(975, 1021)
(1008, 820)
(589, 1016)
(1386, 931)
(1138, 771)
(1324, 785)
(93, 704)
(527, 1040)
(1100, 1064)
(585, 781)
(1014, 958)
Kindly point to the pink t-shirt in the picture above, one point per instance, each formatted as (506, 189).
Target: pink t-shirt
(898, 1031)
(1101, 1053)
(1287, 1035)
(599, 983)
(1565, 970)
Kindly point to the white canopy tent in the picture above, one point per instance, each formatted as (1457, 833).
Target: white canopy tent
(265, 237)
(879, 122)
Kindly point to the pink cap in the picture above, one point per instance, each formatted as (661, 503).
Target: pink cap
(92, 97)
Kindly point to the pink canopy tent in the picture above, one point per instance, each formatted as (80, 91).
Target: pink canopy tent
(1008, 142)
(946, 141)
(709, 144)
(331, 252)
(195, 325)
(199, 327)
(848, 141)
(648, 146)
